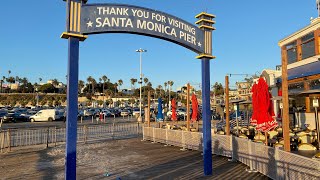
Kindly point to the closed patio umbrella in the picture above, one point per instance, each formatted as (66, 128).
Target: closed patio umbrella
(265, 121)
(160, 114)
(194, 101)
(173, 109)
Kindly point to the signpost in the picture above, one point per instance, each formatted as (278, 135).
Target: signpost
(85, 19)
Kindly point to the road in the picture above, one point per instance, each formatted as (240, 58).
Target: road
(86, 120)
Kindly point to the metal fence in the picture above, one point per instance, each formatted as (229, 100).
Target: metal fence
(52, 135)
(272, 162)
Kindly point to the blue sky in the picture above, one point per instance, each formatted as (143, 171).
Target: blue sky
(246, 41)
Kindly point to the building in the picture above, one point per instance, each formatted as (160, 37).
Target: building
(271, 77)
(301, 50)
(244, 90)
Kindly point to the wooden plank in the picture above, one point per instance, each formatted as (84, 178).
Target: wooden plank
(316, 41)
(299, 50)
(307, 99)
(188, 107)
(285, 99)
(227, 105)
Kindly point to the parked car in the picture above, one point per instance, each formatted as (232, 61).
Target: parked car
(106, 112)
(90, 112)
(136, 112)
(3, 113)
(12, 116)
(125, 112)
(46, 115)
(115, 112)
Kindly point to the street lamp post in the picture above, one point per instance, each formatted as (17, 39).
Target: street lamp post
(140, 82)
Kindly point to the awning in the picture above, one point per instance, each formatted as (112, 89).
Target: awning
(303, 71)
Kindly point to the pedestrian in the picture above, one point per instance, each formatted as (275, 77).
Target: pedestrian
(101, 116)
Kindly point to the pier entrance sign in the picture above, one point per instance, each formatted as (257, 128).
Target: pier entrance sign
(115, 18)
(87, 19)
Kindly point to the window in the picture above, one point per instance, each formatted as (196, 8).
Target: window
(307, 46)
(315, 84)
(295, 88)
(292, 52)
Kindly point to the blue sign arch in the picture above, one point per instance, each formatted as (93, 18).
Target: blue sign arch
(120, 18)
(85, 19)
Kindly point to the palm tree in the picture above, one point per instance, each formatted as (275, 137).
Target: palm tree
(120, 82)
(80, 85)
(9, 72)
(94, 83)
(115, 88)
(165, 86)
(104, 78)
(18, 80)
(89, 80)
(145, 80)
(11, 80)
(133, 81)
(159, 87)
(170, 84)
(1, 81)
(55, 82)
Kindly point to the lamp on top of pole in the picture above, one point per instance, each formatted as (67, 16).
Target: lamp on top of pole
(140, 81)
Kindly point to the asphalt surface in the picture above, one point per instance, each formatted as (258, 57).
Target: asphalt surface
(61, 123)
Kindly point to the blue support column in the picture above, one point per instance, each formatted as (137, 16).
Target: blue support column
(207, 148)
(72, 109)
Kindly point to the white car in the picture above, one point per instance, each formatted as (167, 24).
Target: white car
(125, 112)
(136, 112)
(180, 111)
(46, 115)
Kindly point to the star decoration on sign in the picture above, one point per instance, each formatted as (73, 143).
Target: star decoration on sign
(89, 24)
(199, 44)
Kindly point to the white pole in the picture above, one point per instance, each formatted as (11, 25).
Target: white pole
(140, 83)
(169, 97)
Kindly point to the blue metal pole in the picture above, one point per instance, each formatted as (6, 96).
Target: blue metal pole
(72, 109)
(207, 149)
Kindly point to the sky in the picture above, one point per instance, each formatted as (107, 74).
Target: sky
(245, 41)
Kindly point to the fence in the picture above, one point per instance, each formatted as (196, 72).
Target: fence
(272, 162)
(26, 137)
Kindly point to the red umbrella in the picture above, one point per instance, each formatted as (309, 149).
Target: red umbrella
(194, 115)
(254, 105)
(265, 121)
(173, 109)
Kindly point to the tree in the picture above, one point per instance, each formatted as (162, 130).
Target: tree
(165, 86)
(115, 88)
(159, 87)
(93, 83)
(89, 80)
(218, 89)
(80, 85)
(104, 78)
(170, 83)
(55, 82)
(133, 81)
(47, 88)
(145, 80)
(149, 84)
(11, 80)
(120, 82)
